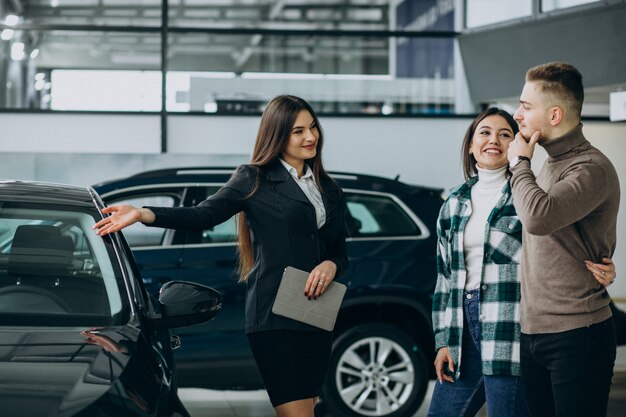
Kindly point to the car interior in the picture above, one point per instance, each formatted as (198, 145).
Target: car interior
(45, 271)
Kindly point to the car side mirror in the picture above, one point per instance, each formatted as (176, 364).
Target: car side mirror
(185, 304)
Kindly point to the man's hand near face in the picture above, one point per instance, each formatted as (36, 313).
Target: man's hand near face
(522, 147)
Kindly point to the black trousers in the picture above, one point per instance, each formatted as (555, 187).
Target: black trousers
(568, 374)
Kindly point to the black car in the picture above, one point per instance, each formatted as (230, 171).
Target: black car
(79, 334)
(383, 347)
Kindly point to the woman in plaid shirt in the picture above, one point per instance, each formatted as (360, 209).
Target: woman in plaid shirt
(476, 301)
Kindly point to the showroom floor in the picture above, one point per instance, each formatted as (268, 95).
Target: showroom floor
(208, 403)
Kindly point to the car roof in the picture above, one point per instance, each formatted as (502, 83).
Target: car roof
(222, 174)
(43, 192)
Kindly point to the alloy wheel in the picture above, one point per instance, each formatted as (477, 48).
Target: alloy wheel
(375, 376)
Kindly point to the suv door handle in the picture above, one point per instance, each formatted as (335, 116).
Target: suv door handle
(175, 341)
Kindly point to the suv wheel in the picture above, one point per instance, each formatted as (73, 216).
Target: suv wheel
(376, 370)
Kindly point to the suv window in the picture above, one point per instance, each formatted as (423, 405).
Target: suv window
(224, 232)
(371, 216)
(138, 235)
(374, 215)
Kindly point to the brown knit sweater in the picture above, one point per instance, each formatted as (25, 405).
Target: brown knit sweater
(569, 214)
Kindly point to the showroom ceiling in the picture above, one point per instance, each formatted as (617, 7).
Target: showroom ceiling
(135, 41)
(266, 14)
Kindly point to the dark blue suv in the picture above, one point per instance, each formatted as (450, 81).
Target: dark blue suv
(383, 346)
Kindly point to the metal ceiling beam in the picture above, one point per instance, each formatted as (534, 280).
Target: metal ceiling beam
(18, 7)
(255, 41)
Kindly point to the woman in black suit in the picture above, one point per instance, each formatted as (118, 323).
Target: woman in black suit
(291, 213)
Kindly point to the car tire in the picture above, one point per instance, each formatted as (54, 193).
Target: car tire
(391, 385)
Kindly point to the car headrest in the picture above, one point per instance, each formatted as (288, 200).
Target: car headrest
(40, 250)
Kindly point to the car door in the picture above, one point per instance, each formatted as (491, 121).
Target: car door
(387, 243)
(157, 251)
(216, 353)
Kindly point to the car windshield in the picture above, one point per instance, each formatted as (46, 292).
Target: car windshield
(55, 271)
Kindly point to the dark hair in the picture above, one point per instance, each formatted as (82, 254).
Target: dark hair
(563, 82)
(468, 160)
(277, 121)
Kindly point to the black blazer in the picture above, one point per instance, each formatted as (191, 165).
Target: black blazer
(283, 230)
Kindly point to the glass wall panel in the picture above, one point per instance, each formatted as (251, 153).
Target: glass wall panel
(83, 12)
(283, 14)
(34, 70)
(271, 53)
(549, 5)
(310, 15)
(215, 69)
(105, 90)
(419, 15)
(486, 12)
(239, 73)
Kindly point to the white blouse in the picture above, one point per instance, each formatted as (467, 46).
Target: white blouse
(309, 188)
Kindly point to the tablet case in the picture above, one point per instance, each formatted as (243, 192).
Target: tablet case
(292, 303)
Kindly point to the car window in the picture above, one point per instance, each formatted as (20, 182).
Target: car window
(53, 264)
(138, 235)
(370, 216)
(373, 215)
(223, 232)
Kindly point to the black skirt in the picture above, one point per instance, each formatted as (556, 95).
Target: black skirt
(293, 363)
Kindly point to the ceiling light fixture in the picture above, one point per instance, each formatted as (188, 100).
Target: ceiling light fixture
(17, 51)
(11, 20)
(7, 34)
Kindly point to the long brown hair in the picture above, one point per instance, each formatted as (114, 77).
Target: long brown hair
(468, 160)
(277, 121)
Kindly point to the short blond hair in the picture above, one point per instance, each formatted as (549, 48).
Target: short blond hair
(562, 82)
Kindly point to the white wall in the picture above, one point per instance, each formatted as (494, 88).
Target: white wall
(79, 133)
(88, 149)
(422, 150)
(425, 151)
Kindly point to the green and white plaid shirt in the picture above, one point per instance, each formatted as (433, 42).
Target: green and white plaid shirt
(499, 289)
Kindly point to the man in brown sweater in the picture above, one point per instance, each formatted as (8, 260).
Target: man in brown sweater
(569, 214)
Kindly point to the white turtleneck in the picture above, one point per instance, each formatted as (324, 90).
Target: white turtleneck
(485, 195)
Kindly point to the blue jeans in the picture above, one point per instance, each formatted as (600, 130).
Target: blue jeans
(569, 373)
(464, 398)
